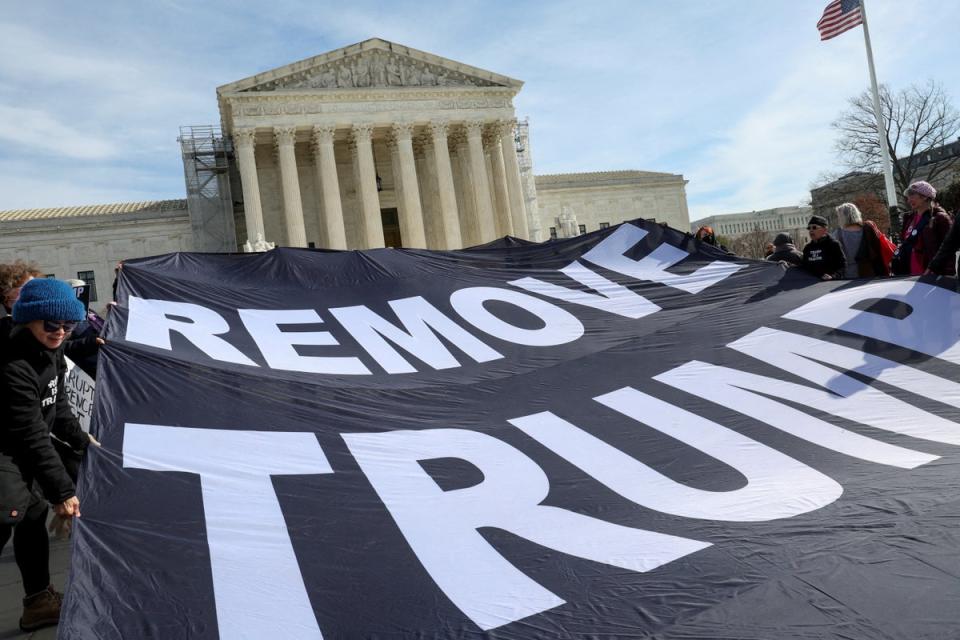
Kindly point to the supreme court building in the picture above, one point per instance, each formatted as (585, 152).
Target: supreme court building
(372, 145)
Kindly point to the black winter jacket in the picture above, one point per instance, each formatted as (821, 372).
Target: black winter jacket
(945, 262)
(824, 256)
(33, 404)
(787, 253)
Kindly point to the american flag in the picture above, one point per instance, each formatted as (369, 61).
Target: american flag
(839, 16)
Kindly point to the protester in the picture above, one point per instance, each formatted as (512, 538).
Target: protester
(867, 250)
(785, 251)
(12, 277)
(923, 231)
(822, 256)
(706, 234)
(945, 261)
(34, 406)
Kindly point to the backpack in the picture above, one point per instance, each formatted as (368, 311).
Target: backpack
(887, 248)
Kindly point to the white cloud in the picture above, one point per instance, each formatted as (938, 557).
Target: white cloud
(34, 130)
(737, 97)
(22, 186)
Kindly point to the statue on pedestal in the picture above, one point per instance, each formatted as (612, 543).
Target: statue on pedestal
(258, 245)
(262, 245)
(568, 223)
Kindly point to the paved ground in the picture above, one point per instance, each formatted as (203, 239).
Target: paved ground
(11, 591)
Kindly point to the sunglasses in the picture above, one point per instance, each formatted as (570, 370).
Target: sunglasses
(51, 326)
(814, 227)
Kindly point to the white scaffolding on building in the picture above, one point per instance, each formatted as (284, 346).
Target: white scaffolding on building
(206, 167)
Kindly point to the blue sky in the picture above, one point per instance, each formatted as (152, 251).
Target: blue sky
(737, 96)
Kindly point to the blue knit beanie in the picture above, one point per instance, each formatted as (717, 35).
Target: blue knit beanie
(47, 299)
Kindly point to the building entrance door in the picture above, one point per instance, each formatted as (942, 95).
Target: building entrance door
(391, 228)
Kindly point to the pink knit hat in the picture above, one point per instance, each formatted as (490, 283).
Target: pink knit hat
(921, 188)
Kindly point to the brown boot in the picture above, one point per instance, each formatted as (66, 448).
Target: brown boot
(41, 609)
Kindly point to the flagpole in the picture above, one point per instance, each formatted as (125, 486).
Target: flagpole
(881, 129)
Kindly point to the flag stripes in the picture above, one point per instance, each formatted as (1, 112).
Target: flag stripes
(839, 16)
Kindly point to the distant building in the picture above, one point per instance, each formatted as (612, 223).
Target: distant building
(792, 220)
(847, 188)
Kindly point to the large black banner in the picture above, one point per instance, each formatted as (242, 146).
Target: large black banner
(621, 435)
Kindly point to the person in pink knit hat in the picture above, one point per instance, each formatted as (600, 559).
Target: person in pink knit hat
(922, 232)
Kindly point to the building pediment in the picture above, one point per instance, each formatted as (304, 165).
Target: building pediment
(372, 63)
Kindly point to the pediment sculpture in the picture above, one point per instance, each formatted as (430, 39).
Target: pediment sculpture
(375, 68)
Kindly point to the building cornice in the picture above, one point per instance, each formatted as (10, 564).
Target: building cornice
(154, 208)
(368, 103)
(369, 95)
(605, 179)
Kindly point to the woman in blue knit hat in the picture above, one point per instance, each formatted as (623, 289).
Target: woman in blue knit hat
(34, 406)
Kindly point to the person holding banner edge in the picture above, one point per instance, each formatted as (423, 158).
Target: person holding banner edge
(923, 231)
(823, 256)
(35, 407)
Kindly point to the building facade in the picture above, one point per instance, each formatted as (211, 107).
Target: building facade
(574, 203)
(376, 145)
(371, 145)
(791, 220)
(88, 242)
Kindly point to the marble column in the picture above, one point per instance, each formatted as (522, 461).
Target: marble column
(244, 141)
(463, 182)
(457, 141)
(448, 197)
(331, 218)
(429, 194)
(366, 181)
(498, 175)
(290, 182)
(480, 182)
(411, 212)
(514, 188)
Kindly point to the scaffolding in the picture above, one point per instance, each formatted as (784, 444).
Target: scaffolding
(206, 168)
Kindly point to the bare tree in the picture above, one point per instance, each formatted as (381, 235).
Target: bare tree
(918, 119)
(752, 244)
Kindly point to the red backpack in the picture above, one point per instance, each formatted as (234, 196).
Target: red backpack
(886, 246)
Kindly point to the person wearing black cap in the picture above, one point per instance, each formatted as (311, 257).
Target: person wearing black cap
(34, 405)
(785, 251)
(823, 256)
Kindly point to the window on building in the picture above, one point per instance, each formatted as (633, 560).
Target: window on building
(90, 279)
(604, 225)
(583, 228)
(553, 233)
(312, 245)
